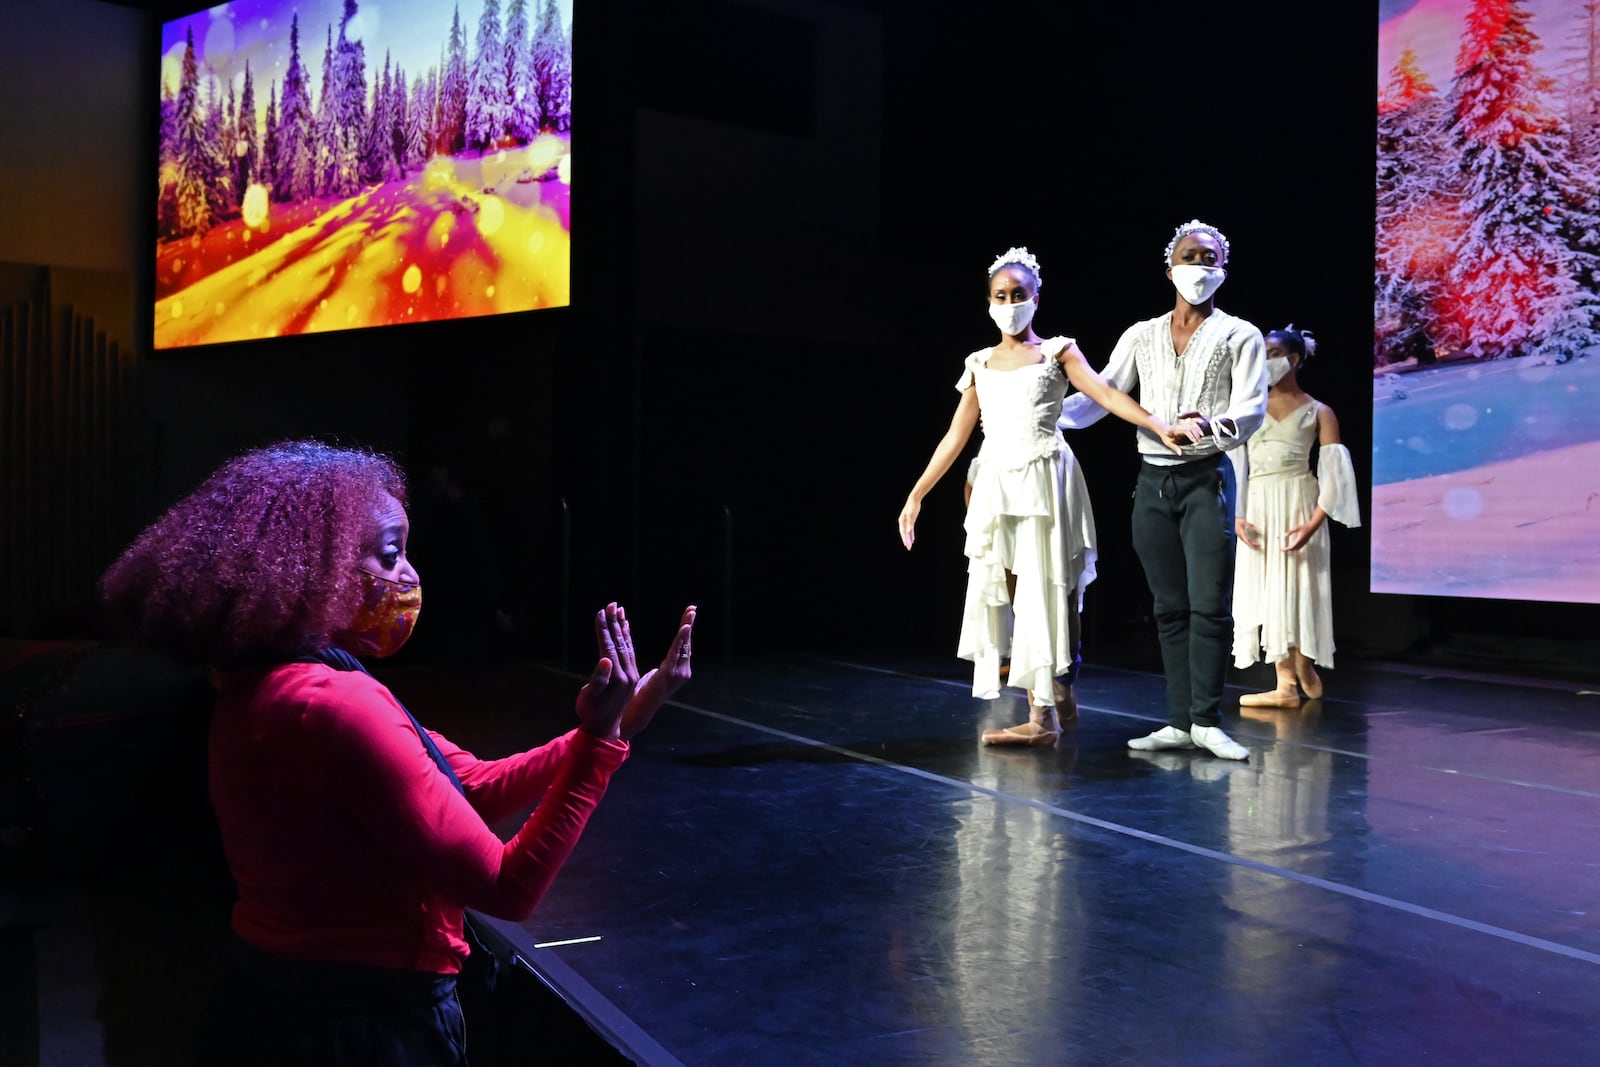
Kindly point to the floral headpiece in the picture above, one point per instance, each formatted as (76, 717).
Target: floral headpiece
(1195, 226)
(1020, 257)
(1307, 342)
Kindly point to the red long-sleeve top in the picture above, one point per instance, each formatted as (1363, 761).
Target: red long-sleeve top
(348, 844)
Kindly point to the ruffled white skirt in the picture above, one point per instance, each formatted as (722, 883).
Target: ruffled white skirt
(1035, 521)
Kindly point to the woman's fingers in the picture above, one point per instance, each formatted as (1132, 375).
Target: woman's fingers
(622, 637)
(602, 633)
(681, 649)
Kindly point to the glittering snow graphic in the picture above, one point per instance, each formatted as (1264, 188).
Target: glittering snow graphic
(1486, 482)
(463, 237)
(337, 164)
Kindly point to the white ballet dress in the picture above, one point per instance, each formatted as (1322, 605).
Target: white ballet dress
(1029, 515)
(1283, 599)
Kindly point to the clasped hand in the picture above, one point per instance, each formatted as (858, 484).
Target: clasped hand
(616, 703)
(1294, 540)
(1190, 429)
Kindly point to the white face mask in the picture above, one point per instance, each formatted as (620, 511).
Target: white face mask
(1196, 283)
(1277, 367)
(1012, 319)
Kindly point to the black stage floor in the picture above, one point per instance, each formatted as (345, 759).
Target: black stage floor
(815, 862)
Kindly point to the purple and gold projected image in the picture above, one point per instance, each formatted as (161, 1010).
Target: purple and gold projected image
(1486, 445)
(334, 164)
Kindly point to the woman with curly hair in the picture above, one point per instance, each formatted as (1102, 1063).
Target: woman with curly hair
(355, 837)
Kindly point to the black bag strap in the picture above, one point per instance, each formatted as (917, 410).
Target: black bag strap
(340, 660)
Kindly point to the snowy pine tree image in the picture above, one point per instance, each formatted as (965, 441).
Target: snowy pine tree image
(1512, 289)
(452, 135)
(377, 141)
(552, 64)
(1417, 214)
(522, 79)
(325, 135)
(1487, 238)
(1580, 82)
(1486, 316)
(195, 166)
(295, 167)
(247, 137)
(347, 108)
(399, 186)
(419, 122)
(487, 91)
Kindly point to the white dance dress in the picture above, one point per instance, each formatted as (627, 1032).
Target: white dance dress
(1030, 515)
(1283, 599)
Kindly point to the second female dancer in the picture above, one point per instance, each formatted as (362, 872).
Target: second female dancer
(1030, 539)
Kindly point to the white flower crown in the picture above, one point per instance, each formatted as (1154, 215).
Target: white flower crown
(1020, 257)
(1195, 226)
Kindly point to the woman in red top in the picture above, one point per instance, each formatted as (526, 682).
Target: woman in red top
(356, 838)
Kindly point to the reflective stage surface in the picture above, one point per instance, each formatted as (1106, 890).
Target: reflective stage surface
(815, 862)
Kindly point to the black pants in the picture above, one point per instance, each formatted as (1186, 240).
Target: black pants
(1183, 532)
(269, 1012)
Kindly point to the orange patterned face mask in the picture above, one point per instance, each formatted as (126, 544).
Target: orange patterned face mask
(387, 615)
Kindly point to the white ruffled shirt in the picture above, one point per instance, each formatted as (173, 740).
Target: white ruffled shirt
(1222, 375)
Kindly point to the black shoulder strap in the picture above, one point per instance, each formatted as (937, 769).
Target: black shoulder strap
(482, 962)
(340, 660)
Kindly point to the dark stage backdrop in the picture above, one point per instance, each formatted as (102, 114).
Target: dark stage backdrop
(782, 215)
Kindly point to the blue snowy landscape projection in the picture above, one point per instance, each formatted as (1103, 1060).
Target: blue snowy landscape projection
(1486, 444)
(335, 164)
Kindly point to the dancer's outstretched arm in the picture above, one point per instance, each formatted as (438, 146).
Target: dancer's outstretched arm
(1084, 379)
(949, 447)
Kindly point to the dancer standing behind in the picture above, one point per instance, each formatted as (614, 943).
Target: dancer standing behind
(1030, 528)
(1282, 599)
(1204, 368)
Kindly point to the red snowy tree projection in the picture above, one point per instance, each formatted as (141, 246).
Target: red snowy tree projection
(1486, 457)
(431, 183)
(1408, 84)
(1485, 207)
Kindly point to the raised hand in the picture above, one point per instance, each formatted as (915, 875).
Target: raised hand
(658, 685)
(611, 685)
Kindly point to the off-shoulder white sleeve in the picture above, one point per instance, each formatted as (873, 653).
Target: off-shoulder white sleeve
(1240, 458)
(1055, 345)
(973, 362)
(1336, 485)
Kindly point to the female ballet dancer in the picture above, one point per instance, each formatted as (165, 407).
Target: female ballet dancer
(1282, 604)
(1030, 538)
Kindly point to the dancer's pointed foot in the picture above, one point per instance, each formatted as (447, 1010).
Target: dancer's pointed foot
(1276, 698)
(1032, 734)
(1066, 705)
(1042, 729)
(1307, 675)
